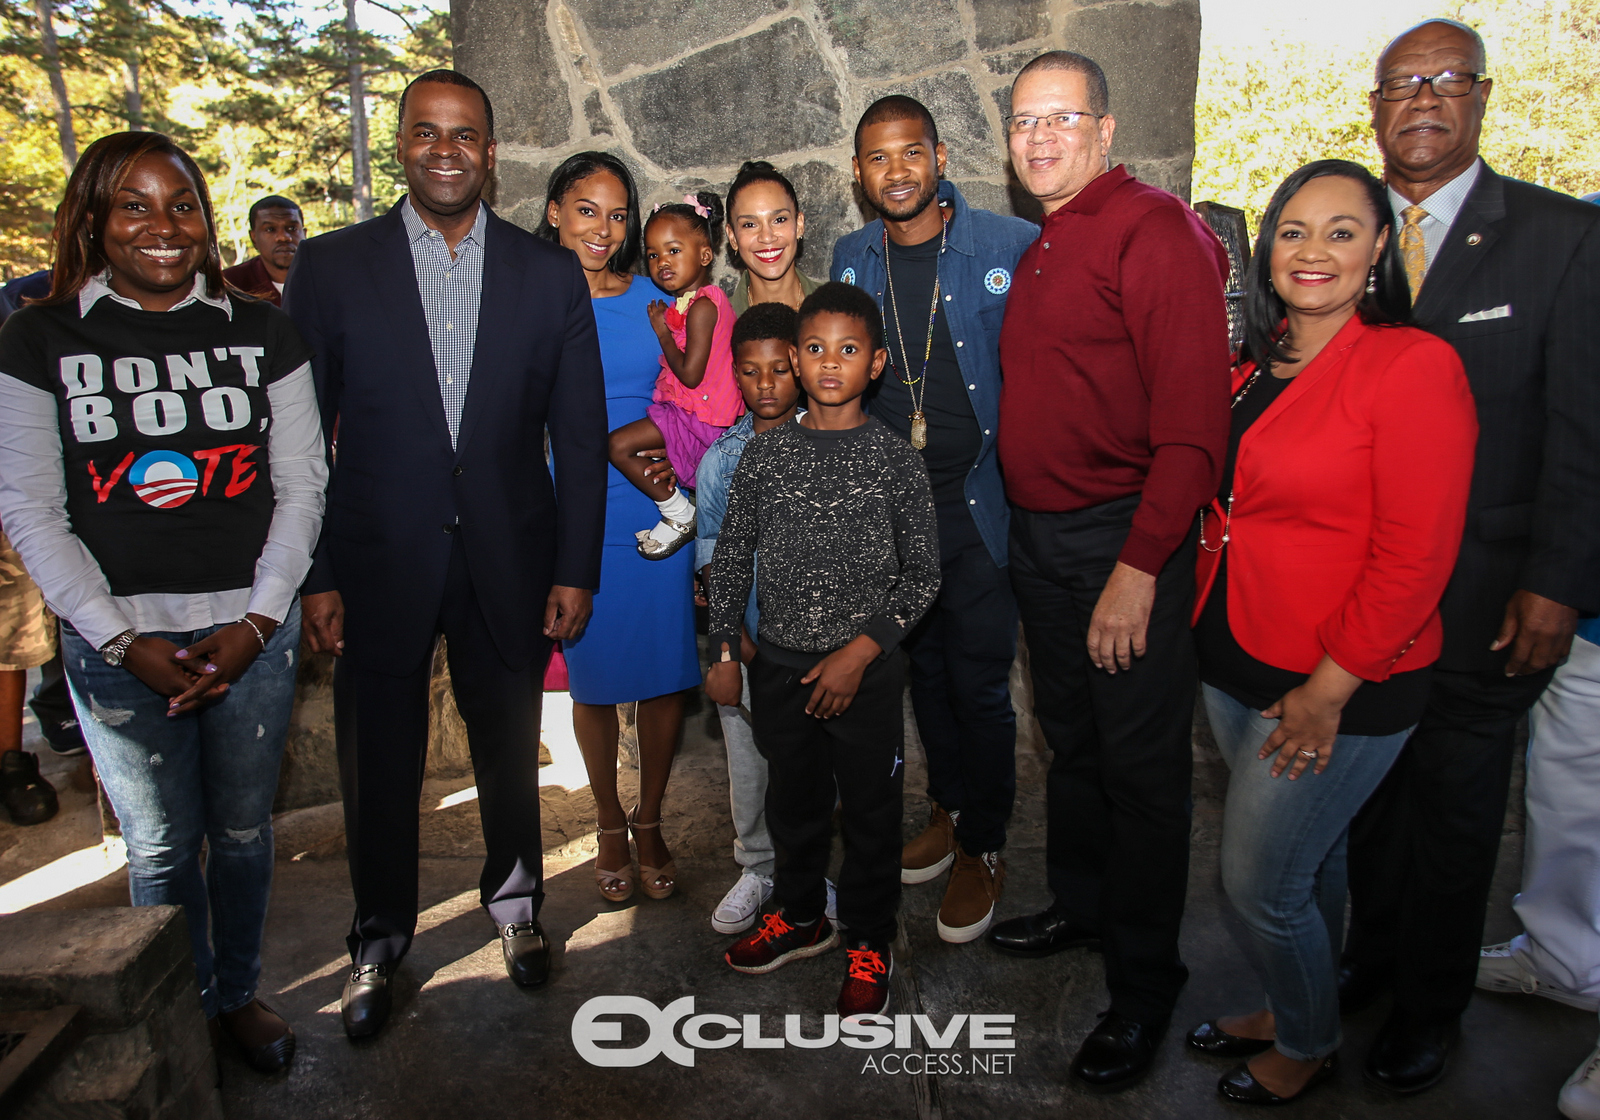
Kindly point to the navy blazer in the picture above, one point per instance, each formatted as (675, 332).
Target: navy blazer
(399, 493)
(1515, 289)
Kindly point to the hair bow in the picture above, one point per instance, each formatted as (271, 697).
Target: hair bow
(690, 201)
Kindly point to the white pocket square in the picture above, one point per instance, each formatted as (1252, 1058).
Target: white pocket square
(1501, 312)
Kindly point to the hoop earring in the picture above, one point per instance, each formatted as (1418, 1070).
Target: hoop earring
(1372, 280)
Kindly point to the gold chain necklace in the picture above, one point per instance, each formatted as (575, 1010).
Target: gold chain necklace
(1227, 514)
(919, 420)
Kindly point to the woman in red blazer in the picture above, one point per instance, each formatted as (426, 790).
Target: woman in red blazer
(1321, 566)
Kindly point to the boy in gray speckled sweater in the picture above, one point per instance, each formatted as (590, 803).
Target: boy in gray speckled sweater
(837, 514)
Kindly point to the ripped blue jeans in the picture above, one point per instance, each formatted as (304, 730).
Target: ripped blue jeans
(208, 776)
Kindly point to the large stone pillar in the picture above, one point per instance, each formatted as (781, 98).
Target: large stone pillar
(684, 90)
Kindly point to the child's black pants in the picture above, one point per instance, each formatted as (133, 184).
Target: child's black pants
(859, 754)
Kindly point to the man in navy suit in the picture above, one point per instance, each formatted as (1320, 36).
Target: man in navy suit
(1509, 274)
(448, 342)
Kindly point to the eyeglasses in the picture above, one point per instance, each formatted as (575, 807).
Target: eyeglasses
(1446, 84)
(1052, 122)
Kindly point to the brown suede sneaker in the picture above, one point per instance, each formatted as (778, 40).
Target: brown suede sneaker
(970, 898)
(928, 855)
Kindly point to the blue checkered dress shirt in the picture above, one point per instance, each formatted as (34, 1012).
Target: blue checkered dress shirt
(451, 290)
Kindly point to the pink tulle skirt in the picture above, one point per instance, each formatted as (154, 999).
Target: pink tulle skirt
(686, 438)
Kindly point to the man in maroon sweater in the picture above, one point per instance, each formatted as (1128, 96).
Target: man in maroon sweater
(276, 229)
(1113, 427)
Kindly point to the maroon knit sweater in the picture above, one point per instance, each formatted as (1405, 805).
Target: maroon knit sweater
(1116, 363)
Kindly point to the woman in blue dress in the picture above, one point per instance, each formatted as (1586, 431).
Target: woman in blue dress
(639, 645)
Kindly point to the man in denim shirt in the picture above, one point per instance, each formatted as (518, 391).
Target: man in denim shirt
(940, 270)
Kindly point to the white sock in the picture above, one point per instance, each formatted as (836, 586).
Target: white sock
(679, 508)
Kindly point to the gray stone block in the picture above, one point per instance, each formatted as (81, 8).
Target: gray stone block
(1151, 56)
(112, 961)
(827, 196)
(705, 111)
(976, 150)
(1003, 22)
(881, 38)
(626, 33)
(506, 49)
(147, 1054)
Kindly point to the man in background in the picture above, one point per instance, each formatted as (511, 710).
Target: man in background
(276, 228)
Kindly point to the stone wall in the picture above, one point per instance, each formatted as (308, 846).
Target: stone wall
(684, 90)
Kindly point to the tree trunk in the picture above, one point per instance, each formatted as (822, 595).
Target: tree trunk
(131, 95)
(360, 153)
(58, 84)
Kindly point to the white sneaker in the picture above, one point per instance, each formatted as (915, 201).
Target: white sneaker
(1502, 969)
(1580, 1096)
(738, 909)
(832, 907)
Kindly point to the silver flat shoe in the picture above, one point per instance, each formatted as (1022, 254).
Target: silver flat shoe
(652, 549)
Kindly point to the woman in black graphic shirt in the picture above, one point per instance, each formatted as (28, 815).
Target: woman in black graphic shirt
(162, 476)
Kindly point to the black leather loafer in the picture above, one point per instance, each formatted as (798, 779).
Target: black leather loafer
(1240, 1085)
(1412, 1052)
(1117, 1054)
(365, 1005)
(1039, 935)
(1208, 1038)
(1360, 986)
(527, 953)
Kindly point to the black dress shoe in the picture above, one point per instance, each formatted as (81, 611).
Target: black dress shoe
(1208, 1038)
(1239, 1084)
(1360, 986)
(271, 1056)
(365, 1006)
(1117, 1054)
(28, 797)
(1039, 935)
(527, 953)
(1411, 1051)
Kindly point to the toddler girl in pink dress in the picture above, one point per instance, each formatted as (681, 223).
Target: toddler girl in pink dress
(696, 395)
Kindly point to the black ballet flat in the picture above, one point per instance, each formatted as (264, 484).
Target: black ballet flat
(1240, 1085)
(1212, 1040)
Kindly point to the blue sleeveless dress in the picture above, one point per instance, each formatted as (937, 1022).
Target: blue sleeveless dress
(640, 642)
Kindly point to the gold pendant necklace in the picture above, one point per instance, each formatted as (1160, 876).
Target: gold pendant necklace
(1227, 513)
(919, 420)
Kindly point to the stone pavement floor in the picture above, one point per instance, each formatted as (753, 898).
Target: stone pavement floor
(464, 1040)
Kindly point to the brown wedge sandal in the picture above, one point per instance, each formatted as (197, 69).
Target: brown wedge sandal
(651, 878)
(614, 886)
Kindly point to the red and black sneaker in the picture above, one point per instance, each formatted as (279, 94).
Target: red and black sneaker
(778, 942)
(866, 986)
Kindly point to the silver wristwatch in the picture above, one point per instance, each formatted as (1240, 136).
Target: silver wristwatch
(114, 650)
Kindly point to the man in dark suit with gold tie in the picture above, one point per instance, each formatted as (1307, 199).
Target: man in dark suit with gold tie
(1508, 273)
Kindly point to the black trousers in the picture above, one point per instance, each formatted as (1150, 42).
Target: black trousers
(381, 725)
(1117, 850)
(858, 756)
(961, 654)
(1423, 848)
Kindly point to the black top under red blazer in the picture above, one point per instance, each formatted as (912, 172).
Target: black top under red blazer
(1533, 518)
(399, 492)
(1348, 498)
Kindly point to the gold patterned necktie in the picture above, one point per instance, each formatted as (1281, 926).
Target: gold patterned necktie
(1412, 248)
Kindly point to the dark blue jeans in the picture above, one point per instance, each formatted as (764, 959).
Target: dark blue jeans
(961, 654)
(207, 776)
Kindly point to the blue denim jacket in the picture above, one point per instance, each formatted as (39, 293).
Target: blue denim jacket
(976, 275)
(713, 476)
